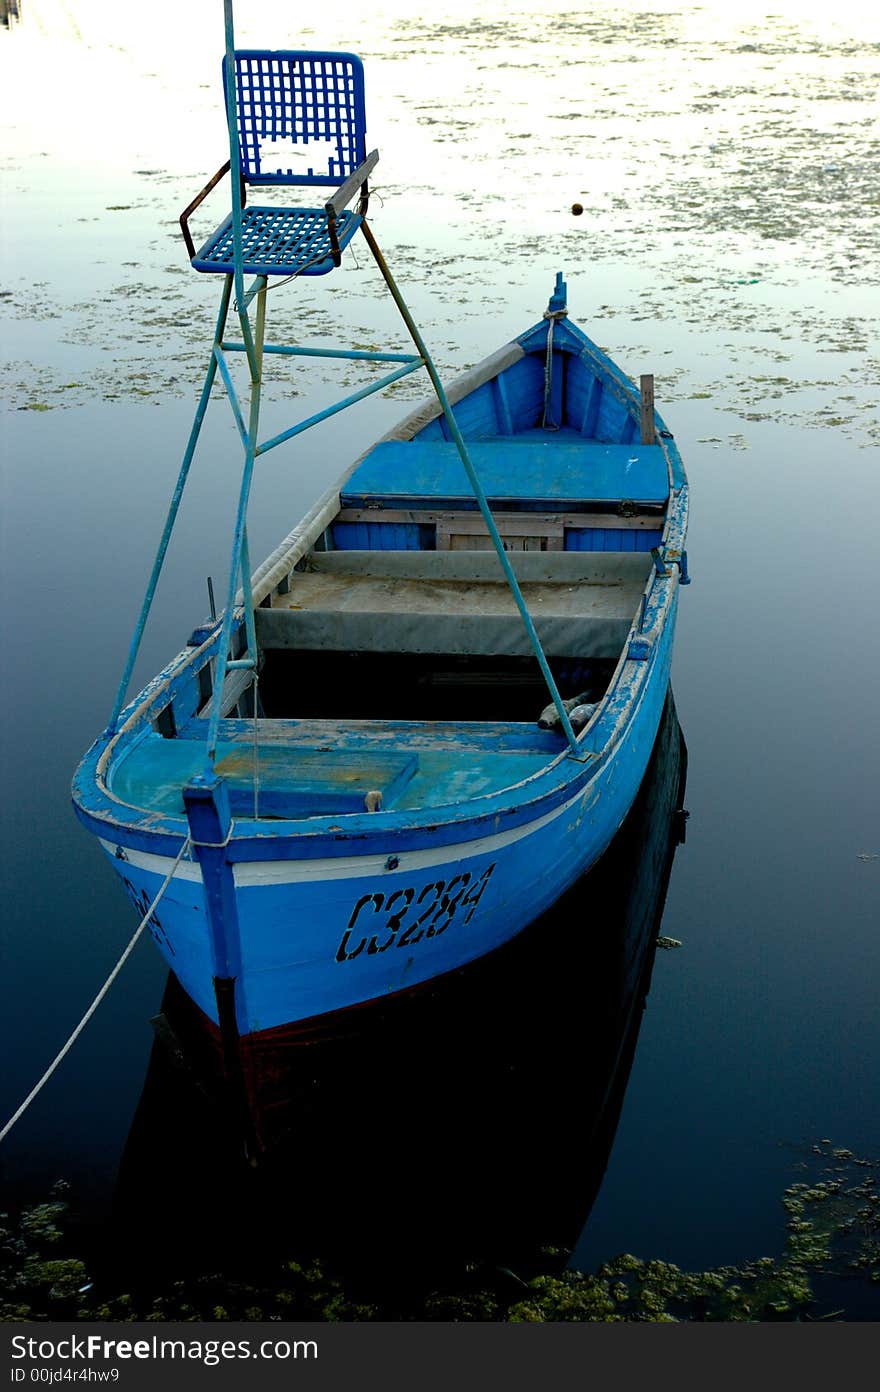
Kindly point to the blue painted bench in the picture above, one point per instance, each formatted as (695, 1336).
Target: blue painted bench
(295, 780)
(537, 472)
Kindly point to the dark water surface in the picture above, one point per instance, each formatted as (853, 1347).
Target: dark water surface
(756, 304)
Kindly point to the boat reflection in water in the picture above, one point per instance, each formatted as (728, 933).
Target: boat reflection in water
(471, 1123)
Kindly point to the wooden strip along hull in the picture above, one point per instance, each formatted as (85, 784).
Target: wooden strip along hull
(321, 935)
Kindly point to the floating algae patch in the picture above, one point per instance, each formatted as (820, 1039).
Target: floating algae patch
(833, 1239)
(833, 1236)
(730, 190)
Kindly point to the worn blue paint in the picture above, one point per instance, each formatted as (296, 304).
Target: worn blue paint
(206, 800)
(414, 536)
(383, 536)
(292, 934)
(536, 470)
(317, 904)
(558, 302)
(301, 776)
(611, 538)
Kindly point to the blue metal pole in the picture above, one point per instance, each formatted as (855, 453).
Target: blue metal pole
(239, 545)
(228, 383)
(249, 624)
(337, 406)
(477, 487)
(356, 354)
(173, 508)
(234, 167)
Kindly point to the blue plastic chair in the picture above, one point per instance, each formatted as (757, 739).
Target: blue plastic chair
(301, 120)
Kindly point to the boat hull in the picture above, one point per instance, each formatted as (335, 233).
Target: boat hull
(253, 847)
(316, 936)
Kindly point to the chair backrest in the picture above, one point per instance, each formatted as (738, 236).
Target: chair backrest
(301, 115)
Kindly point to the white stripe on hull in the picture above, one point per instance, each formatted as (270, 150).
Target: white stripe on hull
(275, 872)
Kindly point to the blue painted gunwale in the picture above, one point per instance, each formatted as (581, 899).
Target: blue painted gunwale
(615, 749)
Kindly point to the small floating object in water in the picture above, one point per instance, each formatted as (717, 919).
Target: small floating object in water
(668, 943)
(577, 209)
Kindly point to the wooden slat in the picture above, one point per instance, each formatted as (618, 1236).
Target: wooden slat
(505, 737)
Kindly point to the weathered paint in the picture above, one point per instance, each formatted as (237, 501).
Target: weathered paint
(338, 907)
(320, 934)
(535, 470)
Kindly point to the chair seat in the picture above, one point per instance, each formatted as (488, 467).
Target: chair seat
(278, 241)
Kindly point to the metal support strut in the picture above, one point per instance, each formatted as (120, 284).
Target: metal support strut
(252, 344)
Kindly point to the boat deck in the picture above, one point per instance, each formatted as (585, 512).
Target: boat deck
(452, 602)
(315, 767)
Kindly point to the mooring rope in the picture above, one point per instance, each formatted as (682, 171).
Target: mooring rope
(98, 998)
(546, 419)
(554, 316)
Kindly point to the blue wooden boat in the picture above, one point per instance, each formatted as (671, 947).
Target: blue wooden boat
(349, 782)
(400, 803)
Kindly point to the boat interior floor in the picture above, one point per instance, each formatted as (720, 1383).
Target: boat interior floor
(301, 768)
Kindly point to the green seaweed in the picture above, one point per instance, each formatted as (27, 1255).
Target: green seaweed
(833, 1230)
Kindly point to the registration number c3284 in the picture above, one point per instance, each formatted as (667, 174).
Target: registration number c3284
(407, 916)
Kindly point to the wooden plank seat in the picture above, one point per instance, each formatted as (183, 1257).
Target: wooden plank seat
(532, 472)
(316, 767)
(294, 780)
(413, 736)
(455, 602)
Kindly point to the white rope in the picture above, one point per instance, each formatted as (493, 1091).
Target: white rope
(547, 422)
(554, 316)
(98, 998)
